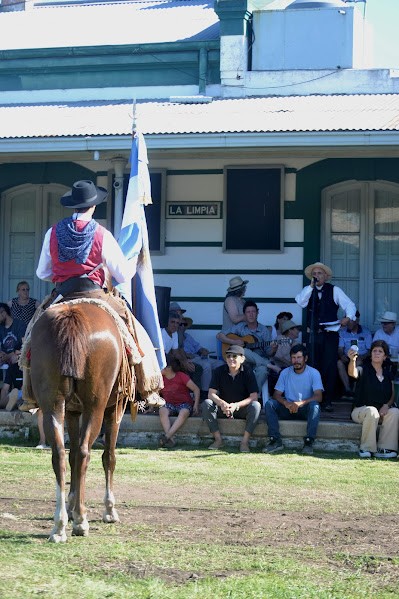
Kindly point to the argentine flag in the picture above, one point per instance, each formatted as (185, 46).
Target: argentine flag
(133, 239)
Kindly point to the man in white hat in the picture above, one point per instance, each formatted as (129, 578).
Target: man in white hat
(322, 301)
(233, 312)
(389, 332)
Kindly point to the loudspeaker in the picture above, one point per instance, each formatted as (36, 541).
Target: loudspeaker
(162, 296)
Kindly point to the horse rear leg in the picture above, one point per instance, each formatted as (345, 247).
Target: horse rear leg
(111, 422)
(89, 430)
(53, 423)
(72, 422)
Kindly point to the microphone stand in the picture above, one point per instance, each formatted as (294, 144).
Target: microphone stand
(312, 324)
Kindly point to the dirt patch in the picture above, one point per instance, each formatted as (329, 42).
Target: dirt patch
(354, 535)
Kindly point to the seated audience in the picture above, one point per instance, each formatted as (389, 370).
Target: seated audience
(23, 307)
(175, 307)
(198, 355)
(298, 395)
(233, 394)
(171, 344)
(280, 319)
(178, 401)
(374, 402)
(234, 303)
(11, 336)
(263, 348)
(354, 333)
(282, 358)
(389, 332)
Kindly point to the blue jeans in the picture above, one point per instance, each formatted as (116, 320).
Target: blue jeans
(275, 411)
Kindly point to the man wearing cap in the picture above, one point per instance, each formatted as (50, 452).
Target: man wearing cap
(171, 344)
(76, 251)
(176, 309)
(389, 332)
(353, 334)
(322, 301)
(233, 394)
(233, 306)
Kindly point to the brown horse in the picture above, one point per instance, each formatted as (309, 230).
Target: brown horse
(76, 356)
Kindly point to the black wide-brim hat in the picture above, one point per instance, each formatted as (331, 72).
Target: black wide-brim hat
(84, 194)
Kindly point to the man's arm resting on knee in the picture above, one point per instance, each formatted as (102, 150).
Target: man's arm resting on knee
(213, 396)
(237, 405)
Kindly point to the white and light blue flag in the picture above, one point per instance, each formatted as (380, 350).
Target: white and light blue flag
(133, 239)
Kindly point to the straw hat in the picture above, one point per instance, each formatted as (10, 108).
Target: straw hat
(289, 324)
(308, 269)
(236, 283)
(389, 317)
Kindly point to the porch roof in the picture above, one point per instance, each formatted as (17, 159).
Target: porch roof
(251, 121)
(78, 25)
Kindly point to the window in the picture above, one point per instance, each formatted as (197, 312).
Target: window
(361, 244)
(253, 209)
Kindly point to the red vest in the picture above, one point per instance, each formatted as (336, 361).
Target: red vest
(66, 270)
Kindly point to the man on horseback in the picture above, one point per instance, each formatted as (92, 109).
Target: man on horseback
(75, 255)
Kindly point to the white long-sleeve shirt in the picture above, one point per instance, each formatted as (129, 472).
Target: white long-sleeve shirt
(340, 298)
(112, 257)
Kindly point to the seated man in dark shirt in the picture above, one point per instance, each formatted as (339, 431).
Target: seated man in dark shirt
(233, 393)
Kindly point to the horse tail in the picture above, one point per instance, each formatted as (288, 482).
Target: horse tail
(70, 328)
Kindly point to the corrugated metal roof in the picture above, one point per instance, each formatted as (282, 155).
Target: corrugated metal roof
(250, 115)
(109, 24)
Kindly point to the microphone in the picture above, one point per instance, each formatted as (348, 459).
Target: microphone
(314, 281)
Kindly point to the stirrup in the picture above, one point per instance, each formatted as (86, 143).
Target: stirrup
(154, 400)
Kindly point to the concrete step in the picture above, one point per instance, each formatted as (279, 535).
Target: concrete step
(146, 429)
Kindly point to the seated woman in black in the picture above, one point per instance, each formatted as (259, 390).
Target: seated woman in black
(374, 402)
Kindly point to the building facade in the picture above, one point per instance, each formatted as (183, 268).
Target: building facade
(260, 163)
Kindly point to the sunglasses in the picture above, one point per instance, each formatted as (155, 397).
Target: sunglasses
(24, 289)
(233, 356)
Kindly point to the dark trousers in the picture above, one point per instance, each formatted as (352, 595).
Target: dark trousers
(325, 360)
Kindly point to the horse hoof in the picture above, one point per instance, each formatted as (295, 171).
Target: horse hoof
(56, 538)
(80, 532)
(111, 518)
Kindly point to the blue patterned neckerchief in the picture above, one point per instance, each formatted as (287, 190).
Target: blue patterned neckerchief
(73, 244)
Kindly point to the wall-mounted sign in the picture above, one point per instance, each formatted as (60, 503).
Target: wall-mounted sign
(194, 210)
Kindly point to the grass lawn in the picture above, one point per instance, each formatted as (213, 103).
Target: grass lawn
(203, 524)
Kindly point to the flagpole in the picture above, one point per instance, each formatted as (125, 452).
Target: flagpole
(134, 285)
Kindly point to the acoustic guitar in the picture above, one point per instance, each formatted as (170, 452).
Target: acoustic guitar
(251, 342)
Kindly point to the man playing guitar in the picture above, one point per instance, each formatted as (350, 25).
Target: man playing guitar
(263, 348)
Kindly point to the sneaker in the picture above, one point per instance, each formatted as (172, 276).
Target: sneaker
(385, 453)
(42, 446)
(273, 446)
(364, 453)
(308, 446)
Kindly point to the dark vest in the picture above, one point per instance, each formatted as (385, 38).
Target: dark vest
(326, 309)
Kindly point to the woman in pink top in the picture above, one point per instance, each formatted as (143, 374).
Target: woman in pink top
(178, 400)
